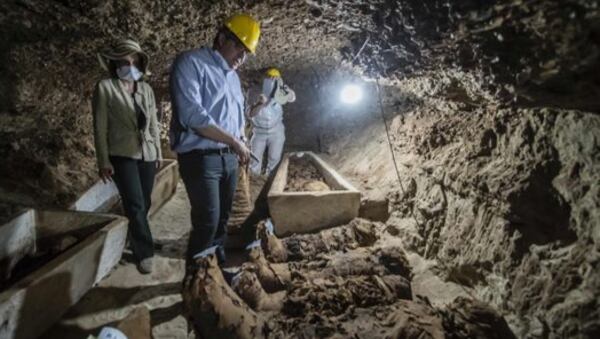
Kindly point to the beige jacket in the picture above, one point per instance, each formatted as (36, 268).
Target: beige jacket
(115, 123)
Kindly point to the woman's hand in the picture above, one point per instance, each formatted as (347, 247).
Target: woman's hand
(158, 164)
(106, 174)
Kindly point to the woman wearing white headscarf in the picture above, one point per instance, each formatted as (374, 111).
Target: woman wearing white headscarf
(127, 139)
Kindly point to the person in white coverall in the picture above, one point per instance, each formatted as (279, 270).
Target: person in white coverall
(268, 131)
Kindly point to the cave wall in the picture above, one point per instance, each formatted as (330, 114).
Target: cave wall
(505, 198)
(496, 141)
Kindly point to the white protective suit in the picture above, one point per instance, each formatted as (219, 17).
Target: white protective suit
(268, 131)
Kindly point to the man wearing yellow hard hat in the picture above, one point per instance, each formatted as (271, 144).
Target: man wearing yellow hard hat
(207, 128)
(268, 131)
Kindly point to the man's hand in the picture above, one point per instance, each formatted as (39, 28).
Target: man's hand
(216, 133)
(106, 174)
(242, 151)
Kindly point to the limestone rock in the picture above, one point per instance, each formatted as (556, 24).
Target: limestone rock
(467, 318)
(376, 210)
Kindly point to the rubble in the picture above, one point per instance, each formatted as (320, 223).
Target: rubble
(467, 318)
(376, 210)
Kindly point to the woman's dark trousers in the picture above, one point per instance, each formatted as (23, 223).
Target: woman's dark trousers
(135, 179)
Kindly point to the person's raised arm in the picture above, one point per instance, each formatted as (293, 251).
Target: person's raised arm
(284, 94)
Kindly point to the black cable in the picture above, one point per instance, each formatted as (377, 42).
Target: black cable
(387, 133)
(389, 141)
(412, 214)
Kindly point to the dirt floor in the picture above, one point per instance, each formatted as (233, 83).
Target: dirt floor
(125, 288)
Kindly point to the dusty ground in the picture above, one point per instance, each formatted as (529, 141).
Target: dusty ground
(125, 288)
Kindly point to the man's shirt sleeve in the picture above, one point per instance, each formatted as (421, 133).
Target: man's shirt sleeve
(186, 90)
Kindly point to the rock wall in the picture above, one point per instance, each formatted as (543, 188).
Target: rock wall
(505, 198)
(494, 126)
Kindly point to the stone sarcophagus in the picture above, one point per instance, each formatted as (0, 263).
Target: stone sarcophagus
(48, 261)
(105, 197)
(308, 195)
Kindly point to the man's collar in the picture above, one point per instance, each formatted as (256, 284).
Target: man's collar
(219, 60)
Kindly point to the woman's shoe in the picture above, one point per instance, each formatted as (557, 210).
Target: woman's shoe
(145, 266)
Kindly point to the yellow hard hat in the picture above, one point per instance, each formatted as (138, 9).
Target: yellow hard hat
(245, 28)
(273, 73)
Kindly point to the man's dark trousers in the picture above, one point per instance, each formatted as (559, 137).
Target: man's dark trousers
(134, 180)
(210, 181)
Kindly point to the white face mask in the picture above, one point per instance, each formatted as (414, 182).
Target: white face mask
(130, 73)
(267, 87)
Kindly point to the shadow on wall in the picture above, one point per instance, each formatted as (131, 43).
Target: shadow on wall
(539, 212)
(7, 91)
(567, 88)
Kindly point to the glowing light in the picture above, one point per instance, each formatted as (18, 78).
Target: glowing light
(351, 94)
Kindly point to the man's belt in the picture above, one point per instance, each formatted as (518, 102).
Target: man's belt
(209, 151)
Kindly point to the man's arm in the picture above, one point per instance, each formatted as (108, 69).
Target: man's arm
(215, 133)
(185, 91)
